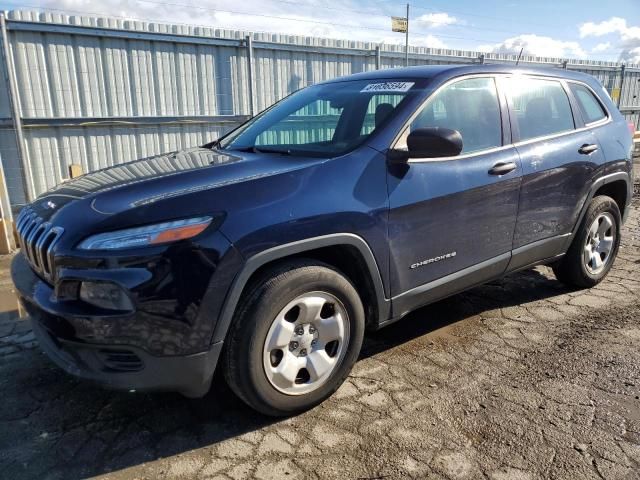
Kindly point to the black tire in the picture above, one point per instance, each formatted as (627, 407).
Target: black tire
(261, 303)
(572, 269)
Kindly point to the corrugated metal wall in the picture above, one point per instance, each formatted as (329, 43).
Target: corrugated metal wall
(99, 91)
(53, 149)
(9, 159)
(630, 96)
(5, 107)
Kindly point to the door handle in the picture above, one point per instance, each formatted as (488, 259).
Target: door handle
(588, 149)
(502, 168)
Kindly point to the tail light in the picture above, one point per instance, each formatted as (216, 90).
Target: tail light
(632, 128)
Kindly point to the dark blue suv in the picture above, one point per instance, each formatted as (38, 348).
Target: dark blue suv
(341, 208)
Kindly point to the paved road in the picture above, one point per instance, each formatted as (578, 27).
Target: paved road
(519, 379)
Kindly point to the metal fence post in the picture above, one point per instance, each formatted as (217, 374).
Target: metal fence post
(250, 79)
(378, 58)
(27, 174)
(7, 241)
(622, 69)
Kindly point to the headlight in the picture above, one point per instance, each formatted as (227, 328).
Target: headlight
(147, 235)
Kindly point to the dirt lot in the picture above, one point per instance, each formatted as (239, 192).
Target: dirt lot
(519, 379)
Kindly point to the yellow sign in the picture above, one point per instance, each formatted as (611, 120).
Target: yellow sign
(399, 24)
(615, 94)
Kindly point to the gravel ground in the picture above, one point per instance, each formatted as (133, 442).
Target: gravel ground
(519, 379)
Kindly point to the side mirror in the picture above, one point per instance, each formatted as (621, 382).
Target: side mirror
(430, 142)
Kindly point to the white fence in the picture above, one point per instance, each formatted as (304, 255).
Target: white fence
(99, 91)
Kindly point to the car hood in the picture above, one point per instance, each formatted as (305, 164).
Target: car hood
(145, 181)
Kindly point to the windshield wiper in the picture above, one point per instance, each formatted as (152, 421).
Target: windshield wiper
(273, 150)
(212, 145)
(254, 149)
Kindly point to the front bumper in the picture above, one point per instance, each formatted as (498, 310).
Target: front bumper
(59, 329)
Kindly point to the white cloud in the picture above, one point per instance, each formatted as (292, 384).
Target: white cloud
(613, 25)
(601, 47)
(633, 55)
(435, 20)
(536, 45)
(336, 19)
(428, 41)
(628, 36)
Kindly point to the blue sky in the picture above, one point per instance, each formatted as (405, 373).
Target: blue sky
(596, 29)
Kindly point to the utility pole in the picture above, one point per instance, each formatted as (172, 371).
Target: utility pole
(406, 41)
(401, 25)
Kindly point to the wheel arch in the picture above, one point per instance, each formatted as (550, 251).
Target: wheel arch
(616, 189)
(618, 183)
(347, 252)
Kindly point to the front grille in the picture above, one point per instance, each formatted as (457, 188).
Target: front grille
(37, 239)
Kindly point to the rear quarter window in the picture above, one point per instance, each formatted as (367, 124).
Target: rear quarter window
(590, 107)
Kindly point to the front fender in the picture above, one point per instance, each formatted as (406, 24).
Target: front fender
(286, 250)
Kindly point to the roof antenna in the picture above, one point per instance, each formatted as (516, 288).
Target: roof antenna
(519, 55)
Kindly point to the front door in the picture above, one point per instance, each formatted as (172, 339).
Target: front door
(451, 220)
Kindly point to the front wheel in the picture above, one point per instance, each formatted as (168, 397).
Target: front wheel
(595, 246)
(295, 337)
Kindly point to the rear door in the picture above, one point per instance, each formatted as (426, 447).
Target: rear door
(559, 160)
(451, 220)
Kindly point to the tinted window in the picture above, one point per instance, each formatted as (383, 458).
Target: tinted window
(470, 106)
(323, 120)
(379, 109)
(315, 122)
(541, 107)
(590, 107)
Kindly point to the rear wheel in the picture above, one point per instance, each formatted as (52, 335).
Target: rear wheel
(595, 246)
(295, 337)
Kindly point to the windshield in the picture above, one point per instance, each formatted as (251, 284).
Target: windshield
(322, 120)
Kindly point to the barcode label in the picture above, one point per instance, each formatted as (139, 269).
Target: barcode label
(388, 87)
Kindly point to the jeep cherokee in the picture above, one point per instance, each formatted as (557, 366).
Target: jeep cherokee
(343, 207)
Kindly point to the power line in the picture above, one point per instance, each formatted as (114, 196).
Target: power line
(172, 22)
(260, 15)
(290, 19)
(468, 14)
(289, 2)
(297, 19)
(298, 4)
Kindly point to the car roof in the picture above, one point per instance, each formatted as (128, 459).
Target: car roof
(444, 71)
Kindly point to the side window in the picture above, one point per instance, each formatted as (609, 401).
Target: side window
(379, 108)
(470, 106)
(590, 106)
(541, 107)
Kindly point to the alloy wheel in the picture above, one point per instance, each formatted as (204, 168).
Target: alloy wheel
(305, 343)
(599, 243)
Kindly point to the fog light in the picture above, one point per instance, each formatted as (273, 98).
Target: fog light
(105, 295)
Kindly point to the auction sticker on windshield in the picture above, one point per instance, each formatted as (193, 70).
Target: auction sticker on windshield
(388, 87)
